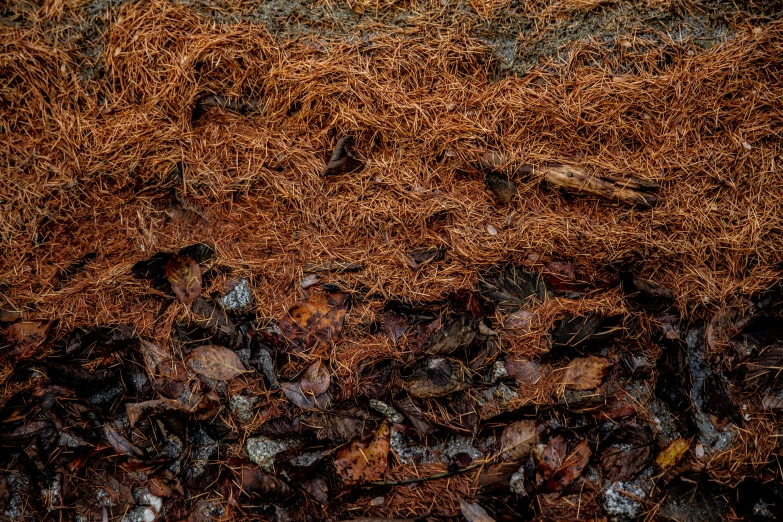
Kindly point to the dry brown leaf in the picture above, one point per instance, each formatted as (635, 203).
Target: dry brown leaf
(518, 439)
(358, 462)
(525, 371)
(28, 337)
(215, 362)
(586, 373)
(320, 317)
(184, 275)
(673, 453)
(571, 468)
(315, 380)
(473, 512)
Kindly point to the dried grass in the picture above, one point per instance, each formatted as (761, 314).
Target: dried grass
(89, 165)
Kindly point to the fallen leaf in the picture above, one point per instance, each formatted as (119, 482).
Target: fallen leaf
(456, 331)
(184, 275)
(518, 322)
(319, 318)
(627, 451)
(511, 288)
(549, 457)
(358, 463)
(315, 380)
(317, 488)
(581, 332)
(166, 484)
(215, 362)
(473, 512)
(437, 377)
(422, 256)
(561, 277)
(342, 161)
(673, 453)
(772, 402)
(586, 373)
(502, 188)
(122, 445)
(518, 440)
(395, 325)
(525, 371)
(414, 414)
(294, 393)
(137, 409)
(27, 337)
(253, 482)
(570, 469)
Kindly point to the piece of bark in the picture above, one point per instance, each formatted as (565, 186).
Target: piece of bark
(631, 191)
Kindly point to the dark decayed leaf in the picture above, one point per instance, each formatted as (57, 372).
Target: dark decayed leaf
(411, 409)
(501, 186)
(456, 332)
(255, 483)
(465, 301)
(319, 318)
(562, 278)
(646, 294)
(215, 362)
(436, 377)
(359, 462)
(580, 333)
(122, 445)
(215, 324)
(137, 409)
(728, 322)
(717, 401)
(673, 384)
(184, 274)
(625, 453)
(317, 488)
(570, 468)
(766, 367)
(473, 512)
(346, 421)
(343, 161)
(511, 288)
(395, 325)
(423, 256)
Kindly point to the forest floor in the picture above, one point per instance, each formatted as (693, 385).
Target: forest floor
(391, 260)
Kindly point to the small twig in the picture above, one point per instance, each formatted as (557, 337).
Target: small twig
(437, 476)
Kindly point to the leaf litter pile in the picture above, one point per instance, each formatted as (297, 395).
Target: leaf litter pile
(255, 277)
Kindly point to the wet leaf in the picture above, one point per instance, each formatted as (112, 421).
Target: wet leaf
(582, 332)
(525, 371)
(166, 484)
(343, 161)
(586, 373)
(673, 453)
(647, 294)
(136, 410)
(465, 301)
(765, 367)
(215, 362)
(518, 440)
(511, 288)
(570, 469)
(253, 482)
(437, 377)
(395, 325)
(473, 512)
(294, 393)
(27, 337)
(416, 417)
(562, 278)
(423, 256)
(358, 463)
(456, 332)
(315, 380)
(518, 322)
(122, 445)
(727, 322)
(549, 458)
(317, 488)
(184, 274)
(502, 188)
(626, 452)
(319, 318)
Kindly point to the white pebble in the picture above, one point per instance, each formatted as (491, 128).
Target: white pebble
(492, 230)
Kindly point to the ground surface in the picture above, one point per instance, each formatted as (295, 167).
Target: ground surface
(483, 260)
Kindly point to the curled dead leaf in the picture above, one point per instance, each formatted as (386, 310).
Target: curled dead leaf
(358, 462)
(184, 275)
(215, 362)
(343, 161)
